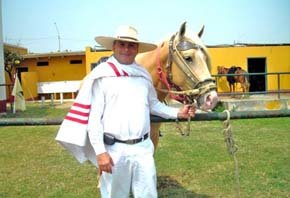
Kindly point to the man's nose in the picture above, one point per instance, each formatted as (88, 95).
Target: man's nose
(126, 47)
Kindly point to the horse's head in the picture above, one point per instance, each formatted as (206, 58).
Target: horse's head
(221, 70)
(188, 70)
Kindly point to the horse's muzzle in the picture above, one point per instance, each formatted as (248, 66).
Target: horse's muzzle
(208, 101)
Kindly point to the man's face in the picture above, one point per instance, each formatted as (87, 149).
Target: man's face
(125, 52)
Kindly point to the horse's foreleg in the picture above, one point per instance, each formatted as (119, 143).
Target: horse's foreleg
(244, 87)
(154, 134)
(247, 86)
(234, 90)
(231, 89)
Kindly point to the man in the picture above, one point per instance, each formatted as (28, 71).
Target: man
(122, 111)
(116, 116)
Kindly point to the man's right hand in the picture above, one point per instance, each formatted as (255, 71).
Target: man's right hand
(105, 163)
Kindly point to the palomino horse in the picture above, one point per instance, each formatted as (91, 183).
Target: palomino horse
(239, 78)
(180, 68)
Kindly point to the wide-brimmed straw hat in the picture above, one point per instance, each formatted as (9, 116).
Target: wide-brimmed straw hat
(127, 34)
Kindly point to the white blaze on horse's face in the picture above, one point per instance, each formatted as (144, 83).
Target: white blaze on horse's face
(192, 63)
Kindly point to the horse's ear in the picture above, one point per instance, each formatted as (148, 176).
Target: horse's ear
(201, 32)
(182, 29)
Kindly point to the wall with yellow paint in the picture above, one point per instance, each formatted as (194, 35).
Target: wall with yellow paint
(277, 60)
(29, 82)
(93, 56)
(58, 68)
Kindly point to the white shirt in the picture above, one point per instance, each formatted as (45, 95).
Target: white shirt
(122, 107)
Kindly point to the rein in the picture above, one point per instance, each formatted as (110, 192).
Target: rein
(165, 79)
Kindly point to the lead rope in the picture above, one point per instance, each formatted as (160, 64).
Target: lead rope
(230, 143)
(178, 126)
(232, 149)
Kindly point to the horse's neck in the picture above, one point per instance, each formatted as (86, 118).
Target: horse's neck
(226, 70)
(150, 61)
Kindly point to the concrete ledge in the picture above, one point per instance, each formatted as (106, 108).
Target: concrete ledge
(256, 104)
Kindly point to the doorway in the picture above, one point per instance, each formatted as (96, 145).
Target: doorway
(257, 82)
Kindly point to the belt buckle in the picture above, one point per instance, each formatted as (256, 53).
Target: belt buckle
(135, 141)
(131, 141)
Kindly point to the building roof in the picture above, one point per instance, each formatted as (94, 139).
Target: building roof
(249, 45)
(53, 54)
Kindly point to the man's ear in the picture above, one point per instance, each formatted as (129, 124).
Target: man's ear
(113, 45)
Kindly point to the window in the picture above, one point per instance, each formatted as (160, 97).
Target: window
(42, 63)
(76, 61)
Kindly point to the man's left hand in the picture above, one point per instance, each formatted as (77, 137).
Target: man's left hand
(186, 111)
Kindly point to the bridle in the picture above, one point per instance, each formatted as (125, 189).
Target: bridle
(174, 56)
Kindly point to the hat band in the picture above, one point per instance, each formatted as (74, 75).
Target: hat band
(126, 37)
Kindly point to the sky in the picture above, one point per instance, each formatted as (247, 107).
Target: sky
(37, 24)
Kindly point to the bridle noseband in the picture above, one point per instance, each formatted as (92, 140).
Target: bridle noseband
(174, 55)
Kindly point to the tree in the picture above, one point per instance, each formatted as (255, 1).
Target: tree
(11, 61)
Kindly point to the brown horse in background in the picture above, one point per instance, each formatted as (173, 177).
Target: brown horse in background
(241, 77)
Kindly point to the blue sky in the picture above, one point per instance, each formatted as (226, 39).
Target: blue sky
(31, 23)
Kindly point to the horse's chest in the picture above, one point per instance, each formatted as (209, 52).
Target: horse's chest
(231, 79)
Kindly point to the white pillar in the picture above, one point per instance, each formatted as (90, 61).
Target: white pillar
(2, 71)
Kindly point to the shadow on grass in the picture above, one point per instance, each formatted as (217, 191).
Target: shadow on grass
(168, 187)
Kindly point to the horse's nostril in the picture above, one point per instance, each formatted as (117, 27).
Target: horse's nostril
(209, 98)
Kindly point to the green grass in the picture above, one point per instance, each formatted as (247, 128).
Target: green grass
(34, 165)
(200, 166)
(37, 110)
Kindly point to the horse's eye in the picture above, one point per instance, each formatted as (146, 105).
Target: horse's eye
(188, 59)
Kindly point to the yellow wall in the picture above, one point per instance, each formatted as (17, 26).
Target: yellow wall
(29, 85)
(59, 68)
(277, 60)
(93, 57)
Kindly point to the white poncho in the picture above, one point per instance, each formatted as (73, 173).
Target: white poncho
(72, 134)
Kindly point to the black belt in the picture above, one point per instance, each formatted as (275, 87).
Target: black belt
(110, 140)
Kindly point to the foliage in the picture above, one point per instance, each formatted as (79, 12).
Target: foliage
(219, 107)
(11, 61)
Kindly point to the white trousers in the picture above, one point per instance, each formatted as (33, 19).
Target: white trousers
(133, 171)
